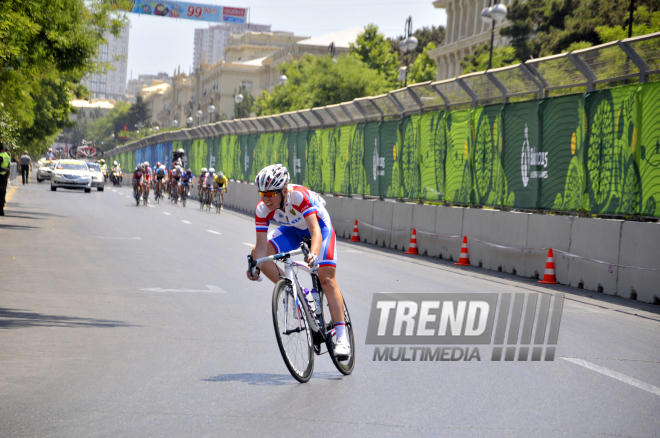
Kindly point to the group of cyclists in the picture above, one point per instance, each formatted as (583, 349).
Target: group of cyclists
(179, 179)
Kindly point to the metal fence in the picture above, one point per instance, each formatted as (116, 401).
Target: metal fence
(633, 60)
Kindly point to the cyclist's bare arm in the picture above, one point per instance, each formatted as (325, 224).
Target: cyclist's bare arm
(263, 249)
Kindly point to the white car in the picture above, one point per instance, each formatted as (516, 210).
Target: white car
(98, 180)
(71, 174)
(44, 170)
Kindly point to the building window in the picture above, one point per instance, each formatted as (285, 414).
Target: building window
(247, 85)
(121, 69)
(121, 79)
(112, 77)
(123, 49)
(114, 48)
(112, 88)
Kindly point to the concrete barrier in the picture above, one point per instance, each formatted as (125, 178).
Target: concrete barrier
(402, 217)
(334, 205)
(424, 221)
(509, 229)
(449, 222)
(640, 247)
(383, 211)
(548, 231)
(596, 239)
(478, 224)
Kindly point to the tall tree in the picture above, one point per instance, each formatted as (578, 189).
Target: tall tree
(373, 49)
(46, 48)
(424, 68)
(138, 113)
(315, 81)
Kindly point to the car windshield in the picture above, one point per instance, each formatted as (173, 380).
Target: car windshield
(72, 166)
(94, 167)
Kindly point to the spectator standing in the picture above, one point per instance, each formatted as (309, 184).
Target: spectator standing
(4, 176)
(50, 154)
(26, 166)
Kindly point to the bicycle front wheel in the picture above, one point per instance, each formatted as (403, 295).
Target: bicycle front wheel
(345, 366)
(294, 336)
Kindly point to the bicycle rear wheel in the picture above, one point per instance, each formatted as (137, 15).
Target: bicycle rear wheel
(294, 337)
(345, 367)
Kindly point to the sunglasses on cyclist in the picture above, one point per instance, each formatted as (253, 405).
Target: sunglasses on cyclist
(268, 194)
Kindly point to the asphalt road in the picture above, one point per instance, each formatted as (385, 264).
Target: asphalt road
(85, 350)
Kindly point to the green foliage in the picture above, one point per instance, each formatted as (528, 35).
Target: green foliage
(373, 49)
(478, 61)
(8, 133)
(242, 110)
(423, 69)
(546, 27)
(101, 130)
(644, 22)
(46, 48)
(138, 113)
(315, 81)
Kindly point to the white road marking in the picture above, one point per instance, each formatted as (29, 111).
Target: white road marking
(186, 222)
(114, 190)
(613, 374)
(353, 251)
(213, 232)
(248, 244)
(166, 213)
(212, 290)
(128, 196)
(119, 238)
(151, 206)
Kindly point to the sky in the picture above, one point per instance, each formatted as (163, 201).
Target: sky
(161, 44)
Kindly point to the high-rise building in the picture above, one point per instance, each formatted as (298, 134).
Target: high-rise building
(112, 83)
(210, 42)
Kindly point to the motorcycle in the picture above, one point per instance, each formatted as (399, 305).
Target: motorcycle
(116, 177)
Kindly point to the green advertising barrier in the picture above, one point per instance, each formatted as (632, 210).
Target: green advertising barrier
(312, 175)
(374, 164)
(390, 182)
(358, 174)
(328, 149)
(410, 155)
(561, 182)
(486, 156)
(252, 140)
(458, 175)
(198, 155)
(648, 150)
(342, 138)
(613, 181)
(432, 151)
(521, 135)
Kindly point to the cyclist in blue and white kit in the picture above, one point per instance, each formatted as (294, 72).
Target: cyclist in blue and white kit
(299, 212)
(186, 180)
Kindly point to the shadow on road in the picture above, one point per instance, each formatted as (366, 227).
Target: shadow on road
(16, 227)
(14, 318)
(267, 379)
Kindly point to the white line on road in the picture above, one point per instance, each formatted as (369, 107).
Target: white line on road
(248, 244)
(120, 238)
(213, 232)
(151, 206)
(186, 222)
(212, 290)
(166, 213)
(622, 377)
(353, 251)
(128, 196)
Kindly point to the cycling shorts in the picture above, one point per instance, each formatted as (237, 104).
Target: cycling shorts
(285, 239)
(160, 177)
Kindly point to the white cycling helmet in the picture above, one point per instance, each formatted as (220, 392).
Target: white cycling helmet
(272, 178)
(114, 163)
(204, 170)
(179, 168)
(211, 170)
(162, 167)
(181, 151)
(146, 164)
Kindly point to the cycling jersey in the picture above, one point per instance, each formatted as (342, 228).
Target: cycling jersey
(187, 177)
(202, 177)
(209, 179)
(300, 202)
(138, 175)
(222, 182)
(147, 174)
(160, 173)
(175, 174)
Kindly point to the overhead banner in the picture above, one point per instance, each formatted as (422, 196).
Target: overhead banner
(191, 11)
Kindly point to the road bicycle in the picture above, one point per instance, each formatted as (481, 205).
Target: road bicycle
(137, 193)
(174, 192)
(184, 194)
(204, 201)
(145, 196)
(157, 191)
(218, 200)
(300, 331)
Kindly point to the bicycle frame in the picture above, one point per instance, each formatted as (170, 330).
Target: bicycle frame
(291, 278)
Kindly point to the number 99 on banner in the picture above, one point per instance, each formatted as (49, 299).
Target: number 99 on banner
(194, 11)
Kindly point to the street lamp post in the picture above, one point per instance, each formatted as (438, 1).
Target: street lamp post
(491, 14)
(175, 123)
(199, 115)
(211, 110)
(189, 121)
(408, 45)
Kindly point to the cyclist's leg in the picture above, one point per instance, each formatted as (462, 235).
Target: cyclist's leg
(281, 239)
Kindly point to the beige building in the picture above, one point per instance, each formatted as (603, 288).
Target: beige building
(252, 45)
(91, 110)
(465, 32)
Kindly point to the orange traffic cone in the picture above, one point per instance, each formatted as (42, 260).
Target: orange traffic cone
(356, 236)
(412, 249)
(549, 275)
(464, 259)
